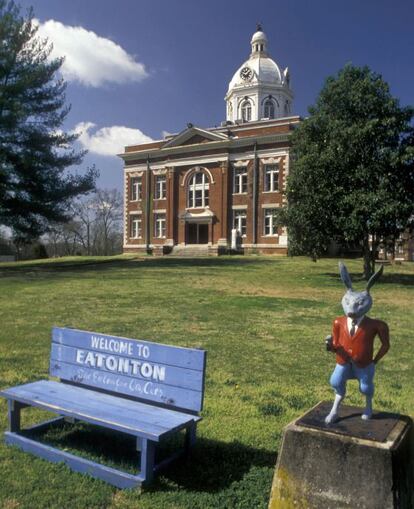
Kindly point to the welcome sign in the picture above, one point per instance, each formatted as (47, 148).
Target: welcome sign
(137, 368)
(114, 363)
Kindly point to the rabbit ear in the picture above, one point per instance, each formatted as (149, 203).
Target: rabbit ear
(374, 278)
(346, 278)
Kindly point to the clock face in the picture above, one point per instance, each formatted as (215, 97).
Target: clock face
(246, 74)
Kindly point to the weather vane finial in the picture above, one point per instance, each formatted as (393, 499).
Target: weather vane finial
(259, 27)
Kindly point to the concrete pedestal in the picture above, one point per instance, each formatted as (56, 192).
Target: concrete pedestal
(351, 464)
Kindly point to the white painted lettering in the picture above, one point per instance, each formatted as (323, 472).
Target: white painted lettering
(112, 345)
(99, 360)
(125, 347)
(90, 359)
(146, 370)
(123, 366)
(135, 366)
(143, 351)
(159, 372)
(111, 363)
(135, 386)
(94, 342)
(158, 392)
(80, 354)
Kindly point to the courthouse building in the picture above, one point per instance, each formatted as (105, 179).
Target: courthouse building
(191, 190)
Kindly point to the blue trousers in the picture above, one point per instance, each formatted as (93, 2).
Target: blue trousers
(344, 372)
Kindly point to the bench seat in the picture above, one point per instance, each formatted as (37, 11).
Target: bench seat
(132, 417)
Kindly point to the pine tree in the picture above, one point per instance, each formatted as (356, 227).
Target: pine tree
(35, 186)
(352, 177)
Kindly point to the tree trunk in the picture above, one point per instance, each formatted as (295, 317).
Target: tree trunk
(368, 253)
(88, 240)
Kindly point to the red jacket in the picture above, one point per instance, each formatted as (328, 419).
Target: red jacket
(360, 347)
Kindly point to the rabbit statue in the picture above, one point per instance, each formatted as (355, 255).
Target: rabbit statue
(353, 342)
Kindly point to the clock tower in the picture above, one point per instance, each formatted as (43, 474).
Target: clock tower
(259, 90)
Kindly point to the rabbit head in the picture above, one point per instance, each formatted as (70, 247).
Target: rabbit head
(356, 304)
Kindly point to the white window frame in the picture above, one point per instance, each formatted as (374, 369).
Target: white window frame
(269, 223)
(135, 227)
(272, 171)
(160, 226)
(195, 187)
(246, 110)
(136, 188)
(160, 187)
(240, 180)
(240, 221)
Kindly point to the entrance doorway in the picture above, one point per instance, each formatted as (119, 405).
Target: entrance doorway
(197, 233)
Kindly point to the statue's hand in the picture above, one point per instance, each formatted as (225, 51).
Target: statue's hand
(328, 343)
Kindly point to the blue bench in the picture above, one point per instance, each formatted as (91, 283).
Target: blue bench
(144, 389)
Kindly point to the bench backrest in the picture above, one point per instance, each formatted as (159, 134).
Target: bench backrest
(170, 376)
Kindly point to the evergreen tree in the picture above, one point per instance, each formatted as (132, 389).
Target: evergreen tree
(35, 187)
(352, 177)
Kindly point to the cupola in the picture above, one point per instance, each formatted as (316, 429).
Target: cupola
(259, 90)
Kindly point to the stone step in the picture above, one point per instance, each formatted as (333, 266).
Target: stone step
(190, 251)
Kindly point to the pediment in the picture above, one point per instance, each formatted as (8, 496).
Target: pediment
(205, 216)
(194, 136)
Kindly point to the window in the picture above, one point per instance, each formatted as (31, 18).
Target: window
(160, 187)
(160, 226)
(135, 227)
(239, 221)
(270, 228)
(269, 109)
(271, 178)
(198, 190)
(246, 111)
(136, 188)
(240, 180)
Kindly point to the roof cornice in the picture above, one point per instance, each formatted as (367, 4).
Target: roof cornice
(207, 146)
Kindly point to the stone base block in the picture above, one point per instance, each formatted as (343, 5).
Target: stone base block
(332, 467)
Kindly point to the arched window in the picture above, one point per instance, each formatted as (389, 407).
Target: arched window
(269, 109)
(198, 189)
(246, 111)
(287, 108)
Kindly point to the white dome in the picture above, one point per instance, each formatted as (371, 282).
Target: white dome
(258, 36)
(265, 72)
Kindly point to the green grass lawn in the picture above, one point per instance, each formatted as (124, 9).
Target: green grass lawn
(262, 321)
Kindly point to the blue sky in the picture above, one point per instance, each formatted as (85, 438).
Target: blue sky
(138, 68)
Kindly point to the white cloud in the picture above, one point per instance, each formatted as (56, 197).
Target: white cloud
(90, 59)
(164, 134)
(109, 141)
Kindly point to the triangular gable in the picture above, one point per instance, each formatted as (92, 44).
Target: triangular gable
(194, 135)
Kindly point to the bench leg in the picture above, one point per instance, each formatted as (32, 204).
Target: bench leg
(190, 436)
(147, 459)
(14, 415)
